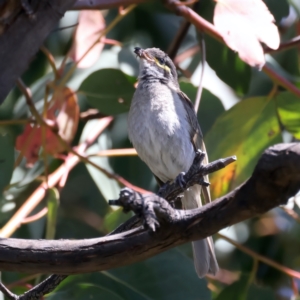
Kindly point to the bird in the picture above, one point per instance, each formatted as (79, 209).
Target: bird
(164, 130)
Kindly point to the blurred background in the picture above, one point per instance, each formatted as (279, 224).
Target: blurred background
(242, 112)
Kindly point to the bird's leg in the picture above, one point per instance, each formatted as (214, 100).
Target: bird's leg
(173, 202)
(201, 155)
(180, 180)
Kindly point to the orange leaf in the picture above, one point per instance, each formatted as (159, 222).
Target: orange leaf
(29, 143)
(244, 24)
(91, 23)
(220, 183)
(64, 112)
(65, 101)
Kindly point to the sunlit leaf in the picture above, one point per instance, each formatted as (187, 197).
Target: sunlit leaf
(91, 23)
(244, 25)
(245, 130)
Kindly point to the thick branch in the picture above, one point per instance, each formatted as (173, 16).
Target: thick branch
(104, 4)
(22, 39)
(275, 179)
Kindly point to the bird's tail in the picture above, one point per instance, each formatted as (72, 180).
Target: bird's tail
(204, 257)
(204, 254)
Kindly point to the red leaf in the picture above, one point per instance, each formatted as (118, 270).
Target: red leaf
(64, 112)
(91, 23)
(29, 143)
(244, 24)
(65, 100)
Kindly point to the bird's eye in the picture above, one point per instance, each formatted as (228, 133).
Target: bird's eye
(161, 60)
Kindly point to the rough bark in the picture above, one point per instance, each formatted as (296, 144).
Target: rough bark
(275, 179)
(22, 39)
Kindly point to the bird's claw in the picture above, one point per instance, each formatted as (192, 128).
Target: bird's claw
(180, 180)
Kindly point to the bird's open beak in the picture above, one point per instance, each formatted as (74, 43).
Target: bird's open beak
(141, 53)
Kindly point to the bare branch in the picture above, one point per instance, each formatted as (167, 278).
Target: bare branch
(275, 179)
(104, 4)
(22, 39)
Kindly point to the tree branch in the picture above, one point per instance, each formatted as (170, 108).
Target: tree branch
(275, 179)
(22, 39)
(104, 4)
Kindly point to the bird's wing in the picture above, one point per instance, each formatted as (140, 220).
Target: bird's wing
(196, 136)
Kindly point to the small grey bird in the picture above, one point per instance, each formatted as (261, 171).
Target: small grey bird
(165, 132)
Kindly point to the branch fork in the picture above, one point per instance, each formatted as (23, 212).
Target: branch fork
(152, 209)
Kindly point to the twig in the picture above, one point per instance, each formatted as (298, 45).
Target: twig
(170, 191)
(187, 53)
(285, 45)
(35, 217)
(104, 4)
(8, 293)
(194, 18)
(51, 61)
(115, 152)
(203, 61)
(45, 287)
(15, 122)
(117, 19)
(91, 114)
(280, 80)
(22, 281)
(261, 258)
(194, 175)
(181, 33)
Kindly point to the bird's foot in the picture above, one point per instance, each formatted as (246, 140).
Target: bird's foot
(180, 180)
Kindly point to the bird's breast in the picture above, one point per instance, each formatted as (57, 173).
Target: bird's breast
(159, 130)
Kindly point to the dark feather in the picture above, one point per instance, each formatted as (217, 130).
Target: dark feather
(196, 136)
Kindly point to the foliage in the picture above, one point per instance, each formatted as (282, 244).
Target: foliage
(242, 112)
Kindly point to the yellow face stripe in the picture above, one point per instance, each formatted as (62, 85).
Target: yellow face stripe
(162, 66)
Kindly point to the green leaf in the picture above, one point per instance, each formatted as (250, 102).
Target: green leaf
(6, 158)
(52, 204)
(228, 66)
(260, 293)
(108, 90)
(113, 219)
(236, 291)
(288, 106)
(210, 106)
(245, 130)
(169, 275)
(278, 8)
(242, 289)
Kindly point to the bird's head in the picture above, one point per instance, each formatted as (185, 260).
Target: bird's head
(156, 64)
